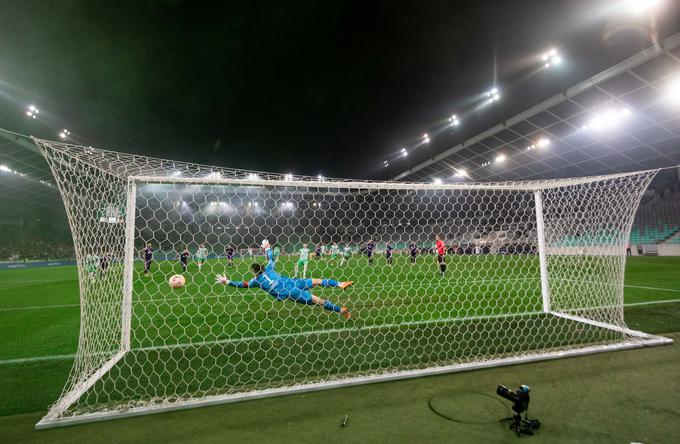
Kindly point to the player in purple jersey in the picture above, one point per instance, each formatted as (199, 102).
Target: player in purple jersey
(388, 254)
(413, 248)
(104, 262)
(147, 256)
(230, 255)
(370, 248)
(184, 259)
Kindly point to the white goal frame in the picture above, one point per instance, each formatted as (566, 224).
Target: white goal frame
(54, 417)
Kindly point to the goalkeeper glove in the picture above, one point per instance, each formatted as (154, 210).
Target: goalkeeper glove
(221, 279)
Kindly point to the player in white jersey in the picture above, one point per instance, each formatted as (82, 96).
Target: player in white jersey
(201, 256)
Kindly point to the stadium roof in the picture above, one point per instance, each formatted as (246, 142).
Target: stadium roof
(25, 175)
(647, 135)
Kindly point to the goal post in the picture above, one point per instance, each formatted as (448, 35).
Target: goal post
(534, 271)
(129, 261)
(542, 253)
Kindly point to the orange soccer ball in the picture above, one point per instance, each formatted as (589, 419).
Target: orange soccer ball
(177, 281)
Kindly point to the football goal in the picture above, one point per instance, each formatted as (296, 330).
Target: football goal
(528, 271)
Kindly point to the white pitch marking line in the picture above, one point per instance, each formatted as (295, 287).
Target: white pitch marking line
(227, 296)
(64, 357)
(41, 281)
(666, 301)
(39, 307)
(36, 359)
(282, 335)
(652, 288)
(382, 286)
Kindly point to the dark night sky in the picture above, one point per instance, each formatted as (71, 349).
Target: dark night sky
(309, 87)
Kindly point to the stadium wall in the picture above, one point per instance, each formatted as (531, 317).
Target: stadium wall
(669, 249)
(34, 264)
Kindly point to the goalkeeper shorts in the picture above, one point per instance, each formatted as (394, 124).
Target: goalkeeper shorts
(295, 294)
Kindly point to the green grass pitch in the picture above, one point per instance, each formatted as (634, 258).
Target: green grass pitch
(39, 317)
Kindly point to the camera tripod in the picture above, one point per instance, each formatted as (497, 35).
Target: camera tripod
(522, 425)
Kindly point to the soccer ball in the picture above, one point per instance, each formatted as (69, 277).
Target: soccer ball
(176, 281)
(265, 244)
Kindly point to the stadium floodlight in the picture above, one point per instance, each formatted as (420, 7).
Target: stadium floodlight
(500, 158)
(320, 178)
(5, 168)
(608, 119)
(460, 172)
(493, 95)
(639, 7)
(551, 58)
(32, 111)
(673, 92)
(426, 138)
(288, 177)
(437, 181)
(454, 120)
(543, 142)
(253, 176)
(64, 134)
(403, 152)
(176, 173)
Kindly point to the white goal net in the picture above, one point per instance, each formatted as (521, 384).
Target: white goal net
(523, 271)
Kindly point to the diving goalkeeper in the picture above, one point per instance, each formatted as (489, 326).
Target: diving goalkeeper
(283, 287)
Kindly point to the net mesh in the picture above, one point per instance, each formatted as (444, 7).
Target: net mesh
(145, 345)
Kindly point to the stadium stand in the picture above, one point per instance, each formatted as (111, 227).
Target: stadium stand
(657, 220)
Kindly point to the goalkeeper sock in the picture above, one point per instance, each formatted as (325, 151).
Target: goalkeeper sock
(329, 283)
(328, 305)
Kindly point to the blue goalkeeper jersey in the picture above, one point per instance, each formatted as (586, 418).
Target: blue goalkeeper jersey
(269, 280)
